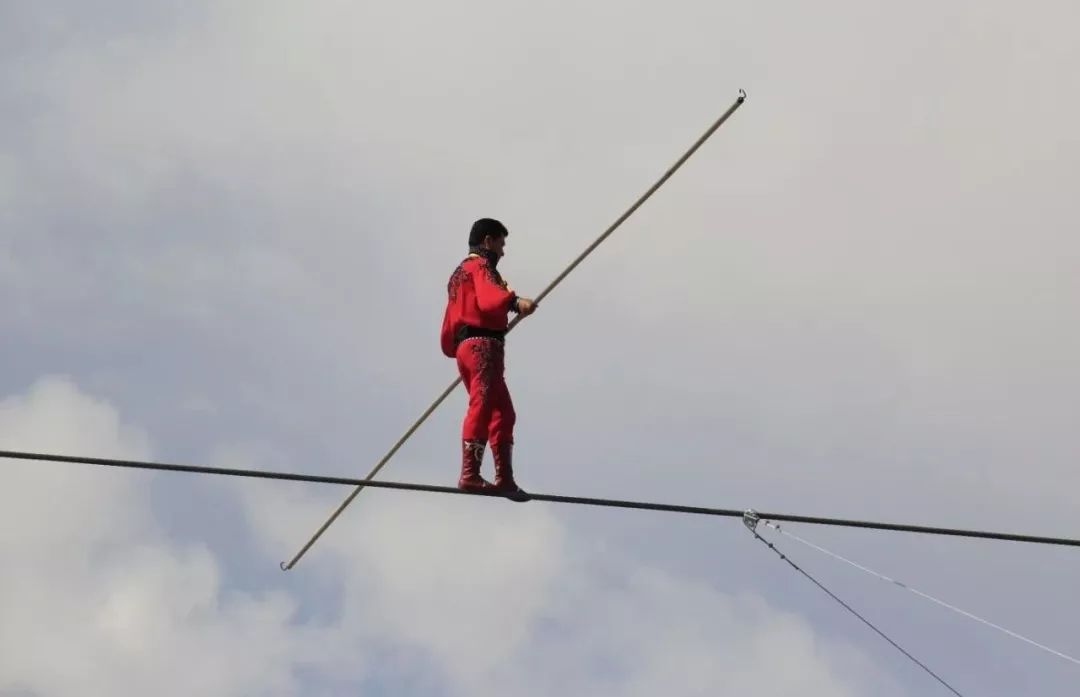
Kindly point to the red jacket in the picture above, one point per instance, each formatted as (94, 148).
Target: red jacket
(477, 296)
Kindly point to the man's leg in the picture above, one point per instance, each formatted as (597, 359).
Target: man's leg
(474, 359)
(501, 435)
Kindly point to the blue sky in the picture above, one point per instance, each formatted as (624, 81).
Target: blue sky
(225, 233)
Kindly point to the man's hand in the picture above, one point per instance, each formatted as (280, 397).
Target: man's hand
(526, 306)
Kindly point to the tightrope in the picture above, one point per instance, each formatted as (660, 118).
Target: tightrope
(553, 498)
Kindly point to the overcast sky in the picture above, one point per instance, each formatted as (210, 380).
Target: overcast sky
(225, 234)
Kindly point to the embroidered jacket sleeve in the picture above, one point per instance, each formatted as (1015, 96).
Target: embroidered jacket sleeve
(492, 292)
(458, 299)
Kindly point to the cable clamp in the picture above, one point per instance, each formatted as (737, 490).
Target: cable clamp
(750, 519)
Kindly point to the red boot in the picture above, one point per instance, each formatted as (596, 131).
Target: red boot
(472, 456)
(504, 473)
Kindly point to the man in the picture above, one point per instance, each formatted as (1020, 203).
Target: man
(473, 332)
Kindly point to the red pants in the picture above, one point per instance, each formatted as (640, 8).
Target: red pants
(490, 416)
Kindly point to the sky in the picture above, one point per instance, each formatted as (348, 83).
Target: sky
(225, 235)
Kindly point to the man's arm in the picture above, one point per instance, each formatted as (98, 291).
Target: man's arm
(524, 306)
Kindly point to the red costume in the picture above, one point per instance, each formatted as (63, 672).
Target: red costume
(473, 330)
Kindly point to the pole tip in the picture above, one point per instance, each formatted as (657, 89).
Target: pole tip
(742, 94)
(282, 566)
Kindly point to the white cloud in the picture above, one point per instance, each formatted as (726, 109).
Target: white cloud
(493, 597)
(504, 600)
(96, 599)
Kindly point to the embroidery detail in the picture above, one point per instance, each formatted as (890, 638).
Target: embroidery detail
(483, 351)
(474, 449)
(460, 276)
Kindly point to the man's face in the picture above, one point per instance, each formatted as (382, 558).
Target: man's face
(496, 244)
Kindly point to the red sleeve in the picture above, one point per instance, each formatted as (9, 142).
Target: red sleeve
(455, 293)
(492, 293)
(446, 334)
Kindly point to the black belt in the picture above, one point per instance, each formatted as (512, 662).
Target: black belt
(470, 332)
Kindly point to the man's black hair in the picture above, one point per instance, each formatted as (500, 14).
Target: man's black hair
(484, 227)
